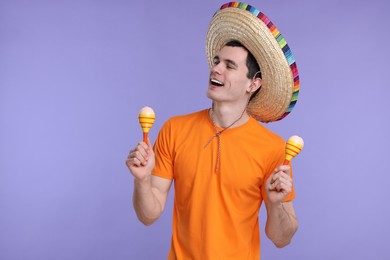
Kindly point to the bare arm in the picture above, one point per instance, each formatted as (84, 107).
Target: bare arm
(149, 198)
(150, 192)
(281, 222)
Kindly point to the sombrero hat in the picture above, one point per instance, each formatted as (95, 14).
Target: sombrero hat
(280, 80)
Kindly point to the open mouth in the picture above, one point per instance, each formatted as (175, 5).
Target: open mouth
(216, 83)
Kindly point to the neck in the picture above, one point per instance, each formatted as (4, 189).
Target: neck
(227, 116)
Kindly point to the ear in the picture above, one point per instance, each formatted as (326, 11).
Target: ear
(255, 85)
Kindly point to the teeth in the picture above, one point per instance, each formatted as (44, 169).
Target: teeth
(216, 82)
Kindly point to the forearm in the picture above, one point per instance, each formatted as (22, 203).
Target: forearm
(146, 201)
(281, 223)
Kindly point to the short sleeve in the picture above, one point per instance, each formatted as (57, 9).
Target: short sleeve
(163, 149)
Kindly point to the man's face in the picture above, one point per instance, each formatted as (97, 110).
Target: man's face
(228, 77)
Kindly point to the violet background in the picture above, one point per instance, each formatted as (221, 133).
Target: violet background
(74, 74)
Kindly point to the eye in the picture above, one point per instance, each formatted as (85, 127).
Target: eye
(216, 61)
(231, 66)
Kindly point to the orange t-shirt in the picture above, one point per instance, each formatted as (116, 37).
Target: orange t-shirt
(215, 214)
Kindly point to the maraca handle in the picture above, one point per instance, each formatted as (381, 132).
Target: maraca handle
(286, 162)
(145, 137)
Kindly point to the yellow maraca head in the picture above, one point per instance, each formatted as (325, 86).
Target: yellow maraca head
(146, 119)
(293, 147)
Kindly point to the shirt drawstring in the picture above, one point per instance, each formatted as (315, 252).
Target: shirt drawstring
(218, 135)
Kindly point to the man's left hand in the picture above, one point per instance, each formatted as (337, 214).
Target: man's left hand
(279, 185)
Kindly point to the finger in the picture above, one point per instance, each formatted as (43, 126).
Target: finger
(141, 146)
(276, 184)
(283, 177)
(144, 148)
(131, 153)
(137, 157)
(279, 187)
(133, 162)
(283, 168)
(141, 150)
(277, 177)
(282, 174)
(280, 182)
(282, 187)
(142, 153)
(149, 143)
(142, 157)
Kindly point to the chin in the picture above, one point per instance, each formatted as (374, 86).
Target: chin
(211, 95)
(214, 97)
(208, 94)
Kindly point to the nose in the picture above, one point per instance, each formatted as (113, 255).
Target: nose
(217, 68)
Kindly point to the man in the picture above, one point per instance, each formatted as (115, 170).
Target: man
(223, 162)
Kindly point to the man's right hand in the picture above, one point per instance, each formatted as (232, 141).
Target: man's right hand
(150, 191)
(141, 160)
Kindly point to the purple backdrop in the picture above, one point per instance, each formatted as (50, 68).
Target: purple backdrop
(74, 74)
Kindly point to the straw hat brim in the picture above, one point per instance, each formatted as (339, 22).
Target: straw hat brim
(280, 81)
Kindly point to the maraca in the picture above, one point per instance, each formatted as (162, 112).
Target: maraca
(146, 119)
(293, 146)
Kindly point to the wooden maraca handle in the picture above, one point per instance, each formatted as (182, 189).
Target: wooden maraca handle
(145, 137)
